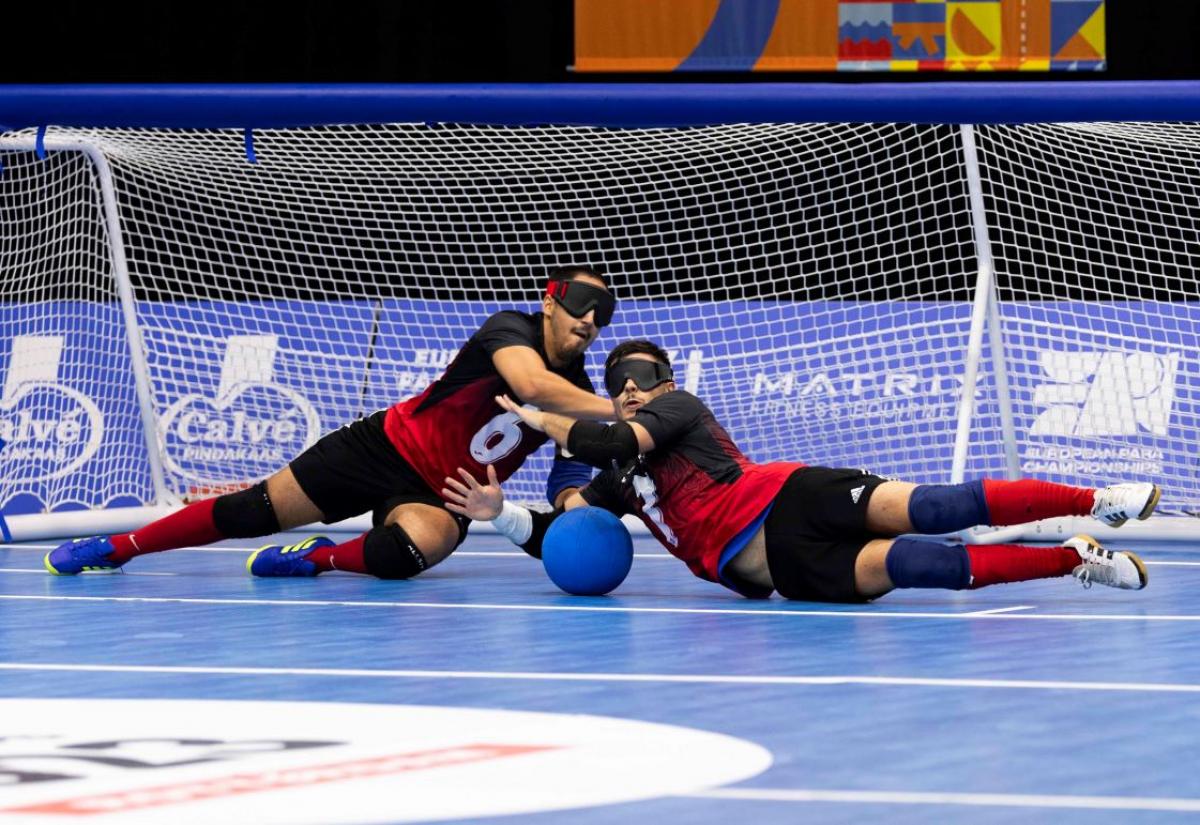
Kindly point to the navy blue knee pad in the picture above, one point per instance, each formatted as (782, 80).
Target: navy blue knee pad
(388, 553)
(246, 514)
(945, 508)
(919, 563)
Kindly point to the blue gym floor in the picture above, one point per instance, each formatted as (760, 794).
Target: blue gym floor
(1039, 701)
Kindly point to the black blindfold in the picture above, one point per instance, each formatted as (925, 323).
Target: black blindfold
(645, 374)
(578, 298)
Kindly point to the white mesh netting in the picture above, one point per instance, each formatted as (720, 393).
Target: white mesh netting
(813, 282)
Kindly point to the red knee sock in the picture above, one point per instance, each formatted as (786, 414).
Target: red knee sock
(1016, 502)
(347, 556)
(1000, 563)
(190, 527)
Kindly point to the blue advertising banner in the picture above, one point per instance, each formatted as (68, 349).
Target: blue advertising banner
(68, 413)
(857, 384)
(1099, 392)
(1107, 390)
(241, 388)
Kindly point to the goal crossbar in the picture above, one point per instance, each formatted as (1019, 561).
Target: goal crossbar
(651, 105)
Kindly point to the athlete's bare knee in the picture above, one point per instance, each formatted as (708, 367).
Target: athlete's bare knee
(432, 529)
(887, 511)
(870, 569)
(292, 505)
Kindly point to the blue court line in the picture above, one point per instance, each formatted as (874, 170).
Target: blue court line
(856, 614)
(1125, 803)
(672, 678)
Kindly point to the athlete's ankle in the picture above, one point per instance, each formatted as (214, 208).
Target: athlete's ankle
(124, 547)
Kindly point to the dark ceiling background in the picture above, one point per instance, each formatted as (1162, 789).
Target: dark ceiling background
(428, 41)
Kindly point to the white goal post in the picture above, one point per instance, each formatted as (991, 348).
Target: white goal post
(197, 287)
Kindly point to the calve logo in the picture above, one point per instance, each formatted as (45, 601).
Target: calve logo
(251, 428)
(1105, 393)
(49, 429)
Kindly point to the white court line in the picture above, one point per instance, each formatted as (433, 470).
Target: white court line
(817, 681)
(1173, 563)
(44, 573)
(996, 610)
(1122, 803)
(825, 614)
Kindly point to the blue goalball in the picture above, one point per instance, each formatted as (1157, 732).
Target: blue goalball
(587, 551)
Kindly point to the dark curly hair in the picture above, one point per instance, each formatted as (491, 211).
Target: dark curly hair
(627, 348)
(570, 273)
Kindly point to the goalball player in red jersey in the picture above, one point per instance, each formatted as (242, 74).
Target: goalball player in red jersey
(809, 533)
(390, 463)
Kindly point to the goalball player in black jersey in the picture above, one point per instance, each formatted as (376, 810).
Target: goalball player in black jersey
(808, 533)
(390, 463)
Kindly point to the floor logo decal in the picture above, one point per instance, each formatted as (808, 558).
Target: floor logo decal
(143, 761)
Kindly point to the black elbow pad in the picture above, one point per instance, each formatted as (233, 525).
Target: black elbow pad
(601, 445)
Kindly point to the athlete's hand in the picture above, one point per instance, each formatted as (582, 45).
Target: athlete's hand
(534, 419)
(480, 502)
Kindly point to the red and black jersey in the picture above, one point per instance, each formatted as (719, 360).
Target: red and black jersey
(695, 490)
(456, 421)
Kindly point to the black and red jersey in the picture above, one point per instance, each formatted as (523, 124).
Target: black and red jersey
(695, 490)
(456, 422)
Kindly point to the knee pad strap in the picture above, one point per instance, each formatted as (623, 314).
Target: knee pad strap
(388, 553)
(245, 514)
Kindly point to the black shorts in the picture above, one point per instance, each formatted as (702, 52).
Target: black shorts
(355, 469)
(815, 531)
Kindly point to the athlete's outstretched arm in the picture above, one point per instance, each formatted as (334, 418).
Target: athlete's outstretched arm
(485, 502)
(597, 444)
(525, 373)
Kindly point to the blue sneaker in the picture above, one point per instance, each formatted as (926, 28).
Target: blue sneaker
(292, 560)
(79, 555)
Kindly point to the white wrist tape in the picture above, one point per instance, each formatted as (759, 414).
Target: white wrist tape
(514, 523)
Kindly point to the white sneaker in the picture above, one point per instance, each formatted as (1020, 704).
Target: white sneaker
(1118, 503)
(1113, 568)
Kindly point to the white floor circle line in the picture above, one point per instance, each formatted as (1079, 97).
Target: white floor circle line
(665, 678)
(617, 608)
(139, 762)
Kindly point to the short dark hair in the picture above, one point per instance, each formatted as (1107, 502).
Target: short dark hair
(626, 348)
(570, 273)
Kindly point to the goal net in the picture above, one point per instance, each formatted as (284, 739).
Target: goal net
(183, 311)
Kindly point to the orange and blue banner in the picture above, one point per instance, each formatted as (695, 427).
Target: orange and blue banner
(838, 35)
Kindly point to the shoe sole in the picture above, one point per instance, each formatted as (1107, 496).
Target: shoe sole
(1151, 504)
(253, 556)
(1143, 574)
(1141, 568)
(1155, 495)
(50, 568)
